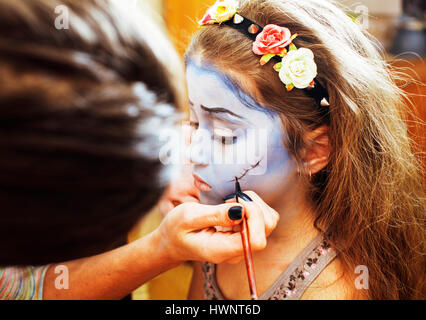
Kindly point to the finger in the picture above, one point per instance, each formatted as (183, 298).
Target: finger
(256, 225)
(197, 216)
(255, 197)
(234, 260)
(271, 217)
(261, 218)
(217, 247)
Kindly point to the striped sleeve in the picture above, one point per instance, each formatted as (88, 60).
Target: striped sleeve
(22, 283)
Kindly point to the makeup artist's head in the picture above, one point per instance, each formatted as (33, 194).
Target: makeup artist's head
(80, 112)
(357, 149)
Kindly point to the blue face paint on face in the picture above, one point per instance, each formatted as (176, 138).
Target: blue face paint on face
(234, 137)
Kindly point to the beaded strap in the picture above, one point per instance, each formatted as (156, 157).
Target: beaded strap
(292, 283)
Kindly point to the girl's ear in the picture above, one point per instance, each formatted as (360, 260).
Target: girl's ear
(317, 151)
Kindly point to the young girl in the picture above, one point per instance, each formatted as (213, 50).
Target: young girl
(300, 83)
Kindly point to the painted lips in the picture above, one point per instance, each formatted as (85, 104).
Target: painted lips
(201, 184)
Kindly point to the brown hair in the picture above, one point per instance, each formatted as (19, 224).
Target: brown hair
(370, 197)
(80, 112)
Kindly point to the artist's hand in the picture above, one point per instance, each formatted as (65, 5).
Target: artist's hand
(256, 207)
(188, 233)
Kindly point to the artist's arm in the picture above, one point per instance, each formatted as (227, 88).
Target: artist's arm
(185, 234)
(22, 282)
(111, 275)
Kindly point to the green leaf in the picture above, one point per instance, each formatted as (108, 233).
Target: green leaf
(294, 36)
(283, 53)
(278, 66)
(266, 58)
(292, 47)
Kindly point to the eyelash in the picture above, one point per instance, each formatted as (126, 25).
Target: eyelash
(228, 140)
(225, 140)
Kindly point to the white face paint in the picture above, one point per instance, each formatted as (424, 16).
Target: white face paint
(233, 140)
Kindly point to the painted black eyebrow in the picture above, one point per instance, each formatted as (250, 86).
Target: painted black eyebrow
(220, 110)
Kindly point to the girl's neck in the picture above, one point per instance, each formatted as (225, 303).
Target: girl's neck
(295, 228)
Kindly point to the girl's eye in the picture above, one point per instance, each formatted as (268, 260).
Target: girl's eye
(226, 140)
(224, 136)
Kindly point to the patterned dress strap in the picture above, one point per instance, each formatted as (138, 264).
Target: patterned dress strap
(211, 289)
(292, 283)
(303, 271)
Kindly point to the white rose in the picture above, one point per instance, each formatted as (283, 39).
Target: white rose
(224, 10)
(298, 68)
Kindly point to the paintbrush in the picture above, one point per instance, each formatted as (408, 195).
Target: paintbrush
(245, 236)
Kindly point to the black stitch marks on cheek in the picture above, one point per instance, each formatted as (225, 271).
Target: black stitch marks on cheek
(247, 171)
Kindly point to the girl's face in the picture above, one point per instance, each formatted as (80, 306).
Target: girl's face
(232, 140)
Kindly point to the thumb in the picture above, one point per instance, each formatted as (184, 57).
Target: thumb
(198, 216)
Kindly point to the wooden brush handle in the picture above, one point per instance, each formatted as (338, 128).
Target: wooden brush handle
(245, 236)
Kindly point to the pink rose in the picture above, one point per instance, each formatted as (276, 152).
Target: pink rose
(273, 39)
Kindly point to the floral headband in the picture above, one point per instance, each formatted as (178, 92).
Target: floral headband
(296, 67)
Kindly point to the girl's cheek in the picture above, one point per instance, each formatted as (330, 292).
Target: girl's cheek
(235, 160)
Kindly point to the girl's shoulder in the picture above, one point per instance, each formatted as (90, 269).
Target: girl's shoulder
(333, 284)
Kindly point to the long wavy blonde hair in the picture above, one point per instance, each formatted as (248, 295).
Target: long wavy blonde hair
(370, 197)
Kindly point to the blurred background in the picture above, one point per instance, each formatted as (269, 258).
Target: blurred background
(387, 20)
(399, 26)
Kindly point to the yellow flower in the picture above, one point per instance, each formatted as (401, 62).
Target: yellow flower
(298, 68)
(223, 10)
